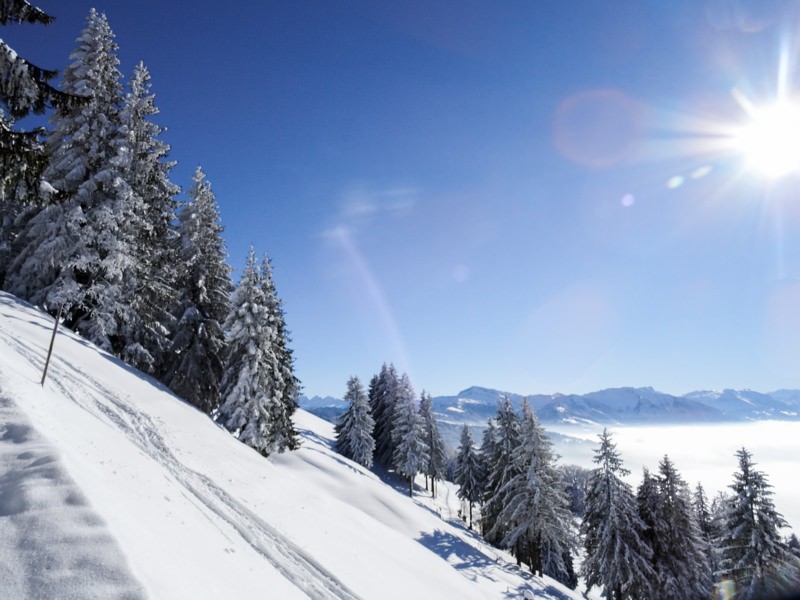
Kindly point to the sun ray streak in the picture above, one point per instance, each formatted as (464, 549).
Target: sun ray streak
(375, 293)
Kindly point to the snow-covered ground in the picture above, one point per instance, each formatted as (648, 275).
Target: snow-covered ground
(110, 487)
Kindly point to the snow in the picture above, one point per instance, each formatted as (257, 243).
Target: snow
(111, 487)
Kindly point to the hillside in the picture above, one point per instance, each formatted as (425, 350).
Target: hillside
(111, 487)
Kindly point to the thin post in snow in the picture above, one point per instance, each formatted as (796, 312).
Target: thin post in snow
(52, 341)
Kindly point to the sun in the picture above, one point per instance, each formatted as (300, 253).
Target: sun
(770, 141)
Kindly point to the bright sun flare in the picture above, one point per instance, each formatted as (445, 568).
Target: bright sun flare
(770, 142)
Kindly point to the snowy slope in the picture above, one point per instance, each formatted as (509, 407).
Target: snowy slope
(110, 487)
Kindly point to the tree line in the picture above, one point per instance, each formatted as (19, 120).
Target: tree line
(387, 427)
(661, 540)
(90, 223)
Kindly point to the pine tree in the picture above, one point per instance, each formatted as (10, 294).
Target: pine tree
(794, 544)
(410, 451)
(705, 524)
(75, 253)
(285, 386)
(152, 295)
(245, 402)
(354, 429)
(14, 215)
(500, 468)
(648, 503)
(487, 452)
(469, 472)
(194, 364)
(679, 560)
(258, 391)
(576, 481)
(535, 510)
(754, 556)
(24, 89)
(617, 557)
(382, 400)
(435, 467)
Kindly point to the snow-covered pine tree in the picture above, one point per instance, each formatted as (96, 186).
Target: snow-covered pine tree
(754, 555)
(648, 504)
(382, 400)
(486, 454)
(794, 544)
(24, 89)
(75, 253)
(469, 472)
(437, 460)
(256, 389)
(617, 557)
(194, 364)
(410, 450)
(354, 429)
(285, 386)
(702, 512)
(14, 215)
(679, 560)
(245, 403)
(576, 480)
(152, 295)
(500, 468)
(535, 510)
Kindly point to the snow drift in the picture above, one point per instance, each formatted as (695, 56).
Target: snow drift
(111, 487)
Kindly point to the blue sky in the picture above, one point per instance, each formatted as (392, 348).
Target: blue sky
(533, 196)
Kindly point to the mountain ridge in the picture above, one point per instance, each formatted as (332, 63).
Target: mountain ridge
(610, 406)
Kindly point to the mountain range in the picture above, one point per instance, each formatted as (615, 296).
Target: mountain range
(614, 406)
(475, 405)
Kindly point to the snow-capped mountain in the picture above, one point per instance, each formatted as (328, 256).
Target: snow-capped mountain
(750, 405)
(615, 406)
(627, 405)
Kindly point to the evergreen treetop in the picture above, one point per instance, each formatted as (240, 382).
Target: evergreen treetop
(354, 429)
(617, 555)
(24, 89)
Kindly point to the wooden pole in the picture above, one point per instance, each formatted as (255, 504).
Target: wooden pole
(52, 341)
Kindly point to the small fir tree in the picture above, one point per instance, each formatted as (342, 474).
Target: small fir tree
(576, 482)
(617, 558)
(285, 387)
(382, 400)
(501, 468)
(435, 467)
(410, 451)
(254, 392)
(535, 510)
(354, 429)
(194, 363)
(679, 559)
(754, 556)
(468, 472)
(702, 512)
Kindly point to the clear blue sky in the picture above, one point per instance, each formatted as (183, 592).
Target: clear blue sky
(532, 196)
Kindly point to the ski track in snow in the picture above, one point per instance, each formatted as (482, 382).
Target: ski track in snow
(293, 563)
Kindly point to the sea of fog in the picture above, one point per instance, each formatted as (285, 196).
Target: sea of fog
(702, 453)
